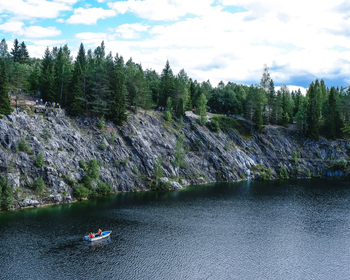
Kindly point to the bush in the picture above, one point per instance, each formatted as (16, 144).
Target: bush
(340, 164)
(39, 160)
(283, 173)
(39, 184)
(86, 181)
(8, 197)
(23, 146)
(80, 192)
(46, 134)
(83, 165)
(214, 125)
(102, 145)
(93, 171)
(168, 116)
(101, 123)
(69, 180)
(104, 188)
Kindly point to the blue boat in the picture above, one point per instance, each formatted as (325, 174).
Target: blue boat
(97, 236)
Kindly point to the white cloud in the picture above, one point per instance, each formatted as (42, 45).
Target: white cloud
(18, 28)
(89, 16)
(164, 9)
(131, 31)
(34, 8)
(41, 32)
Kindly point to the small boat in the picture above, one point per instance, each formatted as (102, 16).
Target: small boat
(104, 234)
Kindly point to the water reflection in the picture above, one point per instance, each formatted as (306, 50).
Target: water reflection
(247, 230)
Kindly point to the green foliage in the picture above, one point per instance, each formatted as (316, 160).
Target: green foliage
(101, 123)
(5, 106)
(83, 164)
(23, 146)
(296, 155)
(339, 164)
(69, 180)
(39, 160)
(104, 188)
(87, 181)
(80, 192)
(227, 123)
(179, 152)
(158, 171)
(283, 173)
(116, 163)
(168, 116)
(93, 171)
(102, 144)
(201, 109)
(214, 125)
(39, 184)
(134, 169)
(46, 134)
(161, 186)
(8, 197)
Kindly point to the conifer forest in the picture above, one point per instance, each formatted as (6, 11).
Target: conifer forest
(96, 83)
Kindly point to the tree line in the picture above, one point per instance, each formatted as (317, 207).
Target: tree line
(96, 83)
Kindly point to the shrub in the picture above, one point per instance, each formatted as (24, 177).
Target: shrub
(46, 134)
(8, 197)
(214, 125)
(87, 182)
(80, 192)
(116, 163)
(104, 188)
(340, 164)
(101, 123)
(39, 160)
(83, 165)
(283, 173)
(39, 184)
(102, 145)
(93, 171)
(23, 146)
(69, 180)
(168, 116)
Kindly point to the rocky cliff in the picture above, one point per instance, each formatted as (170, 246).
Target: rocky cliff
(127, 155)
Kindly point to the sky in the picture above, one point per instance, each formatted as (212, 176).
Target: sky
(216, 40)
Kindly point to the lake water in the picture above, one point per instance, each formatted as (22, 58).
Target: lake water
(249, 230)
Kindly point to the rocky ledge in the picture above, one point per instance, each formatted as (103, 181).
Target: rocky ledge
(127, 155)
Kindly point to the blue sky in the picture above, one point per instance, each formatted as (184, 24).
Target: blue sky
(227, 40)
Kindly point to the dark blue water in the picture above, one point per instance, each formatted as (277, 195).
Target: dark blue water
(248, 230)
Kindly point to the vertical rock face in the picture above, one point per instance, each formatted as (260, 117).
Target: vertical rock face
(127, 155)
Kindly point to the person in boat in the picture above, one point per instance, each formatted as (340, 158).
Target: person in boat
(99, 232)
(91, 235)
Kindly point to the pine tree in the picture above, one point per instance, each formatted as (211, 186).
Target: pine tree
(287, 106)
(16, 51)
(62, 74)
(23, 54)
(5, 104)
(117, 103)
(166, 84)
(265, 81)
(313, 112)
(333, 122)
(46, 81)
(271, 96)
(75, 94)
(34, 78)
(3, 48)
(179, 154)
(202, 108)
